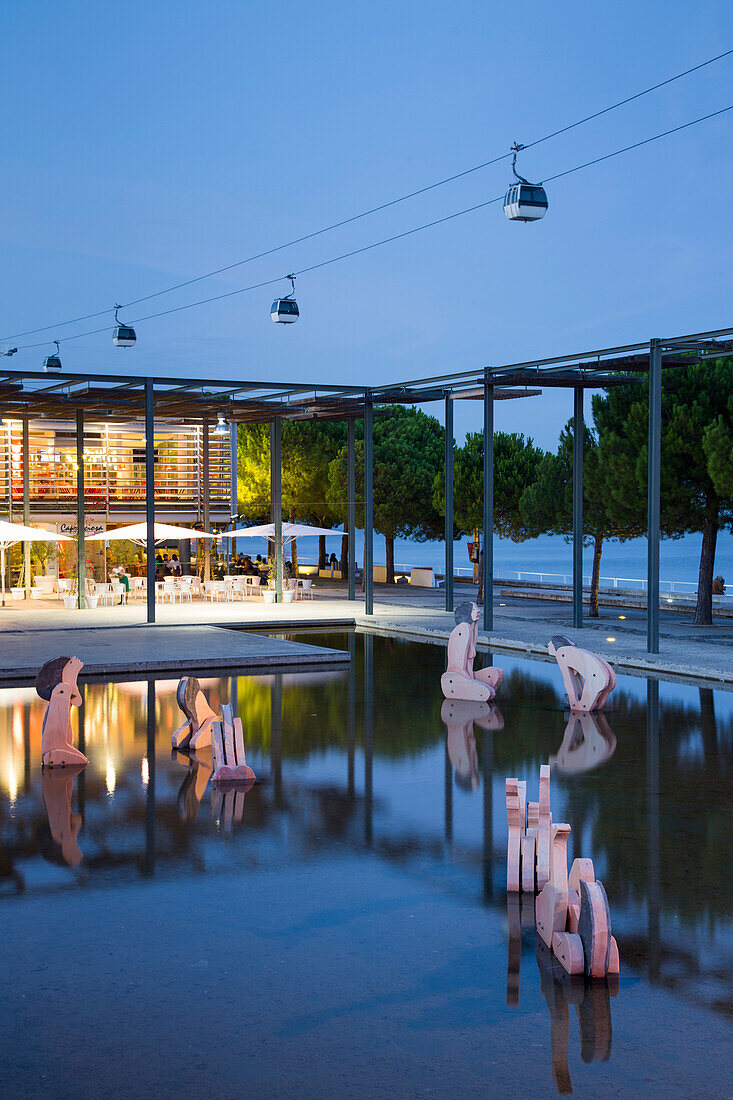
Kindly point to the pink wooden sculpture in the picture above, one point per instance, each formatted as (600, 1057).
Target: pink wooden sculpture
(56, 683)
(460, 681)
(544, 838)
(515, 831)
(571, 910)
(57, 789)
(588, 678)
(195, 733)
(227, 745)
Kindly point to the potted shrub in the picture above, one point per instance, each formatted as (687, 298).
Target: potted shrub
(70, 598)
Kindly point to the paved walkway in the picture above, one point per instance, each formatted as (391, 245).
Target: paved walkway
(180, 649)
(521, 624)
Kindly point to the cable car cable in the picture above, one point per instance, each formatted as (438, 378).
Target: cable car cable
(381, 206)
(396, 236)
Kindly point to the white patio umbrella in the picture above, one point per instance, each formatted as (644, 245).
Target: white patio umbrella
(290, 531)
(10, 533)
(138, 532)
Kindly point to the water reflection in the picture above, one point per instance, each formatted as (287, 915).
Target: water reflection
(367, 761)
(198, 773)
(587, 743)
(591, 998)
(57, 785)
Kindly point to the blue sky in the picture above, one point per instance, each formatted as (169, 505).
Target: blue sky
(145, 143)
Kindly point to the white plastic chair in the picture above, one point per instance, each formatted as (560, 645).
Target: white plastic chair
(119, 591)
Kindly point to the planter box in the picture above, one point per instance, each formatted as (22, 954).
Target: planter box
(288, 596)
(70, 602)
(17, 593)
(268, 596)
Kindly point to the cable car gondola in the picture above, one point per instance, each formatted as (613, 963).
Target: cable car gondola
(52, 363)
(524, 201)
(123, 336)
(284, 311)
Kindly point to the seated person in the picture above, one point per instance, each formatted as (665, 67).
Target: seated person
(248, 567)
(175, 566)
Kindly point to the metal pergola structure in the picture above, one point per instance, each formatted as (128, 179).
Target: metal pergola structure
(32, 395)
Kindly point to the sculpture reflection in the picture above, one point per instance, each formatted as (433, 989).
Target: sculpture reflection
(459, 716)
(194, 785)
(591, 997)
(587, 743)
(64, 825)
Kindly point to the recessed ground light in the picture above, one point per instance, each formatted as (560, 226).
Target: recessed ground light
(622, 616)
(610, 639)
(669, 601)
(502, 605)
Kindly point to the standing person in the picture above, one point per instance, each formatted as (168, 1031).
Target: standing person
(333, 562)
(175, 566)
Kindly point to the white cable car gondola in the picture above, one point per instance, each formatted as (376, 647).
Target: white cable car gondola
(123, 336)
(524, 201)
(52, 363)
(284, 311)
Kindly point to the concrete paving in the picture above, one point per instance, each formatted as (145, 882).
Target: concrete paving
(179, 649)
(525, 625)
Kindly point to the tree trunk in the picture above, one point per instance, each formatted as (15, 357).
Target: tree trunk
(704, 609)
(389, 540)
(321, 551)
(294, 557)
(595, 576)
(344, 555)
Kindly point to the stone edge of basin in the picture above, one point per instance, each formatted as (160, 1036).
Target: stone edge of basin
(660, 667)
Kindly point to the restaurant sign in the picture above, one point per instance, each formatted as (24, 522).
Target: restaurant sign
(69, 527)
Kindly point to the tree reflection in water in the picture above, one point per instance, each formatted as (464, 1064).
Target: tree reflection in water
(336, 752)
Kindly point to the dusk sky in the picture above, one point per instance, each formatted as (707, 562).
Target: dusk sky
(148, 143)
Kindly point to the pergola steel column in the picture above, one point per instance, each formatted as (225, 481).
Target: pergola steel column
(206, 503)
(578, 441)
(26, 510)
(351, 503)
(233, 486)
(276, 503)
(448, 502)
(653, 493)
(368, 504)
(488, 501)
(150, 496)
(80, 547)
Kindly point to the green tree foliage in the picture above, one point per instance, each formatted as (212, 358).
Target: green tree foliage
(408, 453)
(516, 462)
(307, 448)
(697, 488)
(547, 505)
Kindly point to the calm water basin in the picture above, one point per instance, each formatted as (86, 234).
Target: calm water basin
(344, 929)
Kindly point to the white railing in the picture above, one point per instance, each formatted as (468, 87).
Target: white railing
(624, 583)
